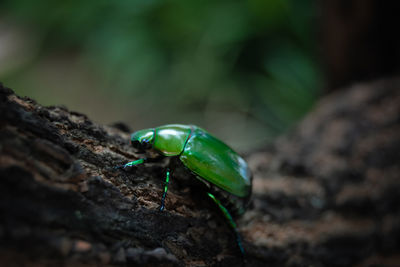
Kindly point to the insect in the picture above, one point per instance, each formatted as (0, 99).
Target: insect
(225, 175)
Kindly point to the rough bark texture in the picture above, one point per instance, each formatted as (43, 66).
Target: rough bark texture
(325, 195)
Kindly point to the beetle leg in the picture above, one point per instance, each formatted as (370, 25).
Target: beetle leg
(165, 190)
(132, 163)
(231, 222)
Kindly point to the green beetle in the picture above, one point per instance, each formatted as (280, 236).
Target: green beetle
(226, 176)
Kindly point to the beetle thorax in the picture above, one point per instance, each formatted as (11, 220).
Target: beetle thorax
(171, 140)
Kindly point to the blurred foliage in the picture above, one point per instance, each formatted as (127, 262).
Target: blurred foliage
(215, 63)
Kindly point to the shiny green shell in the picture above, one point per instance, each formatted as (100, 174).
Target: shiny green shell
(203, 154)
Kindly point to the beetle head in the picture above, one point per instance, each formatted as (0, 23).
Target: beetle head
(142, 140)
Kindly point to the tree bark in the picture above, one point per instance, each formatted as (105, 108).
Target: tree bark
(327, 194)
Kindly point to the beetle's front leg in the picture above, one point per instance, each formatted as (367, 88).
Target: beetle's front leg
(132, 163)
(165, 189)
(231, 222)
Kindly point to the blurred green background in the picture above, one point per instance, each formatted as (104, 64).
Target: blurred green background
(244, 70)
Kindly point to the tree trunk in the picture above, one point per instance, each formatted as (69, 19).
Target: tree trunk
(325, 195)
(359, 40)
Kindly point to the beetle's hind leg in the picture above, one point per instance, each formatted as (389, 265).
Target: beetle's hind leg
(166, 183)
(231, 222)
